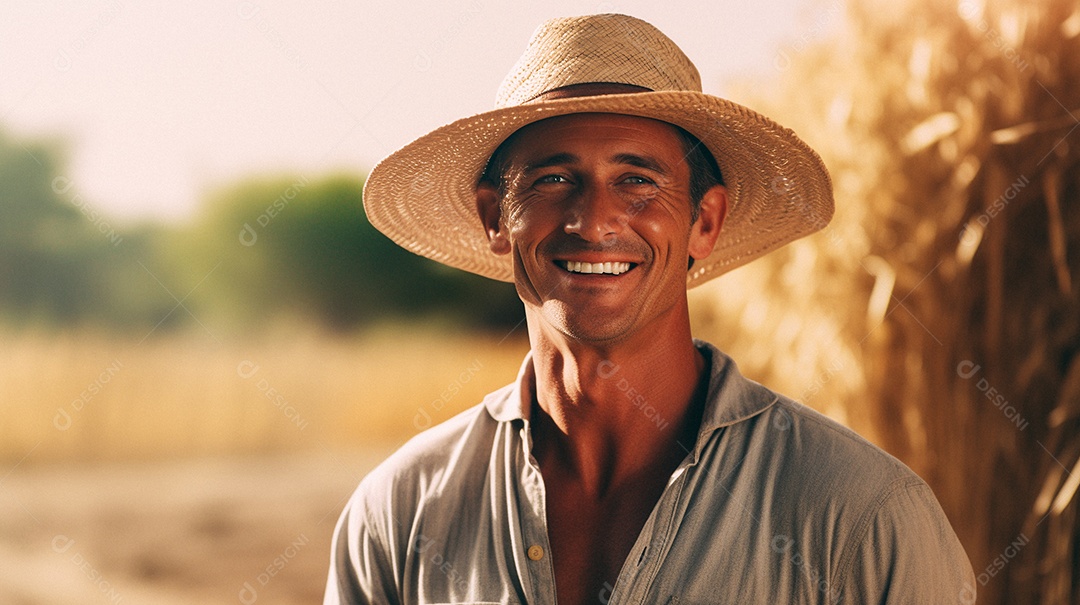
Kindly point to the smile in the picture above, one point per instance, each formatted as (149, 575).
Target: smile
(612, 268)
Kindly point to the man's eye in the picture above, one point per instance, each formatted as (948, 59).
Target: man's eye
(552, 178)
(637, 180)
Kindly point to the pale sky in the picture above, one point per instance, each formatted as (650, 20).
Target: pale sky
(162, 102)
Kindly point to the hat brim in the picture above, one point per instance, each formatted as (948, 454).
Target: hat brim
(423, 195)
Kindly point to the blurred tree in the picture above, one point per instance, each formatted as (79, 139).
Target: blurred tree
(291, 246)
(263, 250)
(62, 262)
(40, 237)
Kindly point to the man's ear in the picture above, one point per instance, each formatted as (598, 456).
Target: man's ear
(490, 211)
(711, 215)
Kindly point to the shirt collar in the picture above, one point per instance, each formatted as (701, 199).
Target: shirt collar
(514, 401)
(732, 397)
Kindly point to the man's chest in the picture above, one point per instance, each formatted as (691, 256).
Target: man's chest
(591, 540)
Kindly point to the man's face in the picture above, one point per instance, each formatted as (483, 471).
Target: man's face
(597, 216)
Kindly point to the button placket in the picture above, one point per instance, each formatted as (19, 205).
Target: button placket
(535, 535)
(652, 544)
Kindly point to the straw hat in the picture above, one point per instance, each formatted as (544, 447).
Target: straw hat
(423, 195)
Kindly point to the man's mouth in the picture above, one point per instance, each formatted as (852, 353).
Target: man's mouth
(610, 268)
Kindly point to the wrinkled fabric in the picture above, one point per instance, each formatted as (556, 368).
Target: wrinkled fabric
(774, 503)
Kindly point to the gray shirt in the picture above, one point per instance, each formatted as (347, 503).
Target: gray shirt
(774, 503)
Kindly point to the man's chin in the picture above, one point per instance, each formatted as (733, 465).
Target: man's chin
(587, 325)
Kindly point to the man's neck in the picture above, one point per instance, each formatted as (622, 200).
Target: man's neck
(606, 413)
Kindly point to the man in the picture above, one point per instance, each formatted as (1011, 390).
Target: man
(628, 463)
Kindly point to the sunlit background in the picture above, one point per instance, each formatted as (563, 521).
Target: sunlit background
(204, 346)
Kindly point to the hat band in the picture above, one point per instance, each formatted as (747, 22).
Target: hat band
(588, 89)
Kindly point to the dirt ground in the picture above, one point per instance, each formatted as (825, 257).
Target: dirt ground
(240, 530)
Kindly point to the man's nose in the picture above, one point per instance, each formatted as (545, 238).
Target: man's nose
(596, 214)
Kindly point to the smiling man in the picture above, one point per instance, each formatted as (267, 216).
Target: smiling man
(628, 463)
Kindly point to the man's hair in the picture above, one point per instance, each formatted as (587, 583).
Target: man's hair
(704, 172)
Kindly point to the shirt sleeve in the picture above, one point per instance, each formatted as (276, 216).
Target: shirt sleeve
(361, 568)
(908, 553)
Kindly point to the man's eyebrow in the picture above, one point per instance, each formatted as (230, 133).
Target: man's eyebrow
(553, 160)
(630, 159)
(639, 161)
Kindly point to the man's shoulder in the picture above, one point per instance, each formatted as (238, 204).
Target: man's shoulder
(816, 501)
(812, 438)
(817, 459)
(456, 448)
(791, 437)
(877, 513)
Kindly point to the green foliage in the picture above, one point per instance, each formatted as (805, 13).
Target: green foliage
(45, 242)
(261, 251)
(296, 246)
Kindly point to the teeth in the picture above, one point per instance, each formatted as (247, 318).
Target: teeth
(602, 268)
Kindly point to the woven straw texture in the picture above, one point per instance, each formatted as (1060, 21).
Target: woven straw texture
(422, 196)
(561, 50)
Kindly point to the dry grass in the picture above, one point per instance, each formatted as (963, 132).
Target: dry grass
(255, 480)
(939, 313)
(95, 397)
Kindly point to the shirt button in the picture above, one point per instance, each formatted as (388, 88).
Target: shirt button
(536, 552)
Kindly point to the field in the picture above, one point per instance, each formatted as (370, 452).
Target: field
(182, 469)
